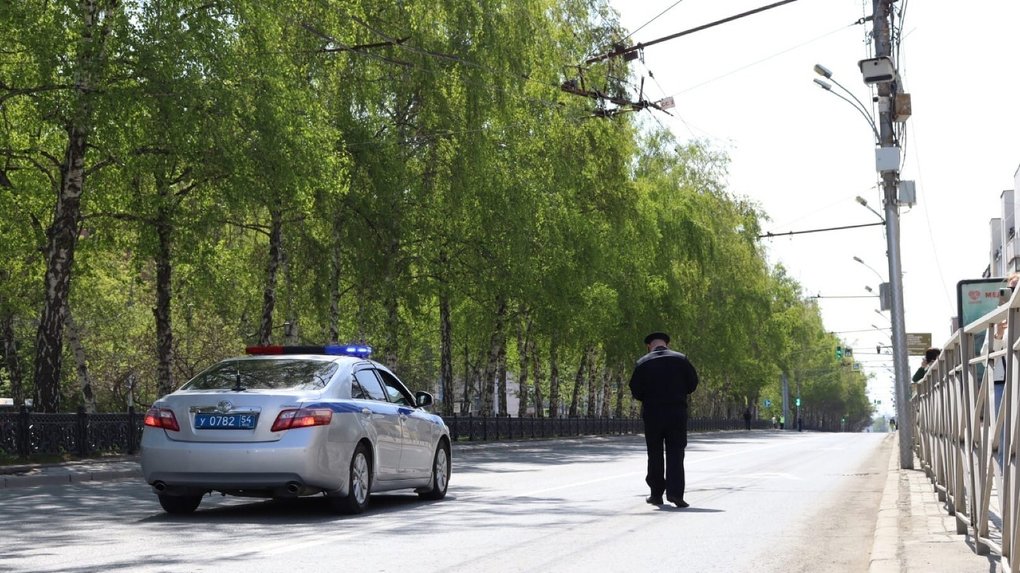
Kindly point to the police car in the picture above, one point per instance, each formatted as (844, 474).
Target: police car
(294, 421)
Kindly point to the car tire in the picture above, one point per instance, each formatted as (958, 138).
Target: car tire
(179, 504)
(359, 484)
(440, 474)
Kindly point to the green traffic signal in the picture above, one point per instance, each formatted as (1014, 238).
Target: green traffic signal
(839, 353)
(798, 402)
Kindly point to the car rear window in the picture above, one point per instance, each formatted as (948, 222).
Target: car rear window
(277, 374)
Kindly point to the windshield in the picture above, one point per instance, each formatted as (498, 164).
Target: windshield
(278, 374)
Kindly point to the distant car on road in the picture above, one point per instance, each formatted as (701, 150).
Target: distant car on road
(294, 421)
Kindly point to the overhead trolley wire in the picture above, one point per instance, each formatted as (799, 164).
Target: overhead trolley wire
(659, 15)
(640, 46)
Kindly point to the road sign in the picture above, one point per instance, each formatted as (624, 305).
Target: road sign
(857, 366)
(918, 343)
(768, 402)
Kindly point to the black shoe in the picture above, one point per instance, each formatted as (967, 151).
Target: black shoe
(654, 499)
(677, 501)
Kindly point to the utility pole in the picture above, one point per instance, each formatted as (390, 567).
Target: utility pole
(882, 32)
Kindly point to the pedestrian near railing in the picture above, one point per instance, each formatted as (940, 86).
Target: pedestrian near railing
(967, 445)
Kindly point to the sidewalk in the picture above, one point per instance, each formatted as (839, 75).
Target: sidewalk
(70, 472)
(915, 534)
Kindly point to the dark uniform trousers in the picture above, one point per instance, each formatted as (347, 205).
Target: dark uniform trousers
(669, 428)
(662, 380)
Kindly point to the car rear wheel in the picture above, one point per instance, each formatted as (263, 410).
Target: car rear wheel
(179, 504)
(440, 474)
(359, 485)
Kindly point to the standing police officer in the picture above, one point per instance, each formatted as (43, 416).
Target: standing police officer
(662, 380)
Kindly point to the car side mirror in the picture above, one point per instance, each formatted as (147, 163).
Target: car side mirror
(423, 399)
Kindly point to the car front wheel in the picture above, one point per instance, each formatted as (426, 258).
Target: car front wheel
(440, 474)
(359, 484)
(179, 504)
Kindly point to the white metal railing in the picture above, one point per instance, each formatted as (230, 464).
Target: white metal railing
(967, 446)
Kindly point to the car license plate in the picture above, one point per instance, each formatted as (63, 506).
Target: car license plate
(204, 421)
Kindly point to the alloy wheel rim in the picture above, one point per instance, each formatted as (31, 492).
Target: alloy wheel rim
(359, 478)
(441, 470)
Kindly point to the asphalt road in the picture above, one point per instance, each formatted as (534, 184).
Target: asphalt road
(760, 501)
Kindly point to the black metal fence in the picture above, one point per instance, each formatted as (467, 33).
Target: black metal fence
(81, 434)
(471, 428)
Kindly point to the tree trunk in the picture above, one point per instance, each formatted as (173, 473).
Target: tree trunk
(62, 234)
(536, 371)
(501, 378)
(80, 363)
(445, 353)
(164, 297)
(492, 364)
(391, 303)
(580, 379)
(465, 405)
(272, 267)
(606, 409)
(487, 384)
(621, 394)
(554, 379)
(336, 274)
(524, 353)
(496, 344)
(11, 360)
(62, 238)
(594, 394)
(291, 327)
(392, 327)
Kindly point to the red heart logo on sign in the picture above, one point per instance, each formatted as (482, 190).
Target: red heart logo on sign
(974, 294)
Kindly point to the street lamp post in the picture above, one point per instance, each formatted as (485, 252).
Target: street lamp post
(890, 180)
(887, 164)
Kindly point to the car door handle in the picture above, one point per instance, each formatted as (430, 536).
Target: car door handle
(366, 411)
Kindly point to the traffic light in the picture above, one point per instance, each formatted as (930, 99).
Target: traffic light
(839, 353)
(848, 352)
(798, 402)
(878, 349)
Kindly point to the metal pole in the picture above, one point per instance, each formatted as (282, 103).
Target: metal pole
(883, 48)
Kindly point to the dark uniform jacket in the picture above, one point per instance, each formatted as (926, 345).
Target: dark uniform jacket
(662, 380)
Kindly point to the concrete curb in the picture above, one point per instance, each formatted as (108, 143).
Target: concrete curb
(886, 556)
(79, 471)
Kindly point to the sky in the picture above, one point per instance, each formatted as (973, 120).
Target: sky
(803, 155)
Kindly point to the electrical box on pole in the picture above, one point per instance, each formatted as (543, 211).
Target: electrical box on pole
(907, 193)
(883, 296)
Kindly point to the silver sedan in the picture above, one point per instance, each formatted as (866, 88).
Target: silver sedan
(294, 421)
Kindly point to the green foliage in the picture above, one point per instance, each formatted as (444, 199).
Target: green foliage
(414, 151)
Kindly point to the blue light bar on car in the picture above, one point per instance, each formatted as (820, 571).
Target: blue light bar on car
(356, 350)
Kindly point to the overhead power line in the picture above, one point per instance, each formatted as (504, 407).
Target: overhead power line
(769, 234)
(624, 51)
(657, 16)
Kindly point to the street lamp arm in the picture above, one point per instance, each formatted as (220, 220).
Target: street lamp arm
(870, 268)
(868, 207)
(859, 105)
(859, 108)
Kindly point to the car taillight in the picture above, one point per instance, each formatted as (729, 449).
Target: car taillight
(162, 418)
(302, 418)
